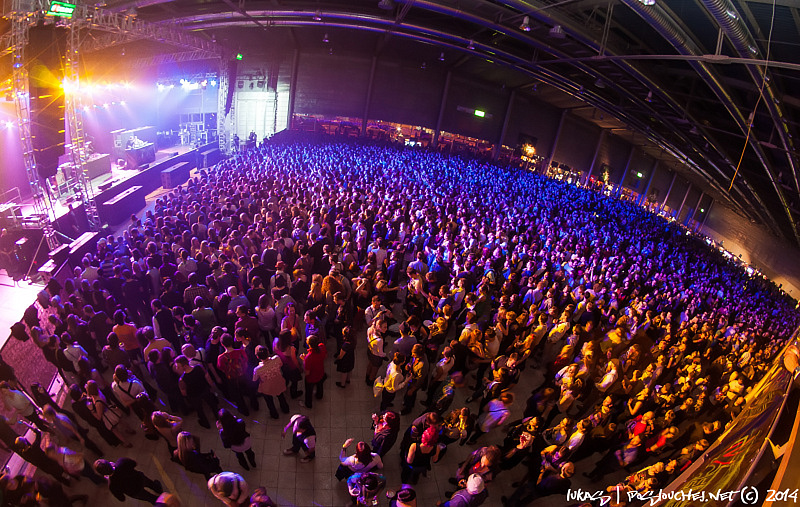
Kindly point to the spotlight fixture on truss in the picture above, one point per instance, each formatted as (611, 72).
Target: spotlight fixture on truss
(649, 97)
(471, 46)
(557, 32)
(441, 56)
(318, 15)
(386, 5)
(526, 24)
(325, 39)
(647, 2)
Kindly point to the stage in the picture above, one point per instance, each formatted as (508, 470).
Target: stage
(68, 216)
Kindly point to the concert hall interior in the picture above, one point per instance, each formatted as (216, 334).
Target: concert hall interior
(399, 253)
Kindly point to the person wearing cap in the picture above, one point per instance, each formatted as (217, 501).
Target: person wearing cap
(473, 494)
(230, 488)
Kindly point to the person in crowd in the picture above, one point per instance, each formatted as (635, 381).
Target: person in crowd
(303, 437)
(291, 369)
(234, 436)
(362, 461)
(421, 456)
(195, 385)
(189, 455)
(314, 366)
(346, 358)
(109, 415)
(386, 428)
(230, 488)
(232, 363)
(473, 493)
(270, 381)
(641, 332)
(396, 379)
(125, 481)
(168, 427)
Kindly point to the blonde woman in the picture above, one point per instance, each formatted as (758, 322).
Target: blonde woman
(188, 454)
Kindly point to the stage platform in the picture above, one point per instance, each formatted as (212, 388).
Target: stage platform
(72, 222)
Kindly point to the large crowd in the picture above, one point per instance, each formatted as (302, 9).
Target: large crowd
(265, 279)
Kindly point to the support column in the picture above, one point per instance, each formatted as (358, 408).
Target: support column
(554, 145)
(669, 191)
(596, 154)
(442, 104)
(708, 212)
(643, 194)
(293, 87)
(618, 190)
(369, 97)
(685, 196)
(499, 144)
(694, 210)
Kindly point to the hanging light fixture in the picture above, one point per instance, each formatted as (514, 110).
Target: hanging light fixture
(318, 15)
(526, 24)
(325, 39)
(471, 46)
(441, 56)
(647, 2)
(557, 32)
(649, 97)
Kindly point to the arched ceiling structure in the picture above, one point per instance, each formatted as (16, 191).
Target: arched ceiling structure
(699, 83)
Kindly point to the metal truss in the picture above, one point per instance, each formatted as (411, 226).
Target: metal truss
(42, 206)
(185, 56)
(75, 121)
(6, 44)
(124, 28)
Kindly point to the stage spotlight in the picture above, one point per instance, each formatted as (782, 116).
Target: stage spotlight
(86, 108)
(213, 82)
(526, 24)
(122, 103)
(441, 57)
(9, 124)
(325, 39)
(105, 105)
(160, 87)
(471, 46)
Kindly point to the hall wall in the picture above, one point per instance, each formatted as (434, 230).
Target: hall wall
(772, 256)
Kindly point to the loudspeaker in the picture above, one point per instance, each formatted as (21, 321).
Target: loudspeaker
(46, 47)
(231, 79)
(47, 129)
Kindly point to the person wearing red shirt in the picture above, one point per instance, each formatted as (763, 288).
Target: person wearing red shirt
(314, 363)
(233, 365)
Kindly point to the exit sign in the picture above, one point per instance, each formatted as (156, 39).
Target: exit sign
(61, 9)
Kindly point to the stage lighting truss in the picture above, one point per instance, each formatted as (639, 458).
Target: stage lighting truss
(42, 206)
(77, 146)
(124, 28)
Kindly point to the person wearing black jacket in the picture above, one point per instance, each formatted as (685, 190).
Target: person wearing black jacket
(124, 479)
(234, 436)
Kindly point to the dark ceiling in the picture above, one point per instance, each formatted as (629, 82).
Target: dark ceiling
(697, 83)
